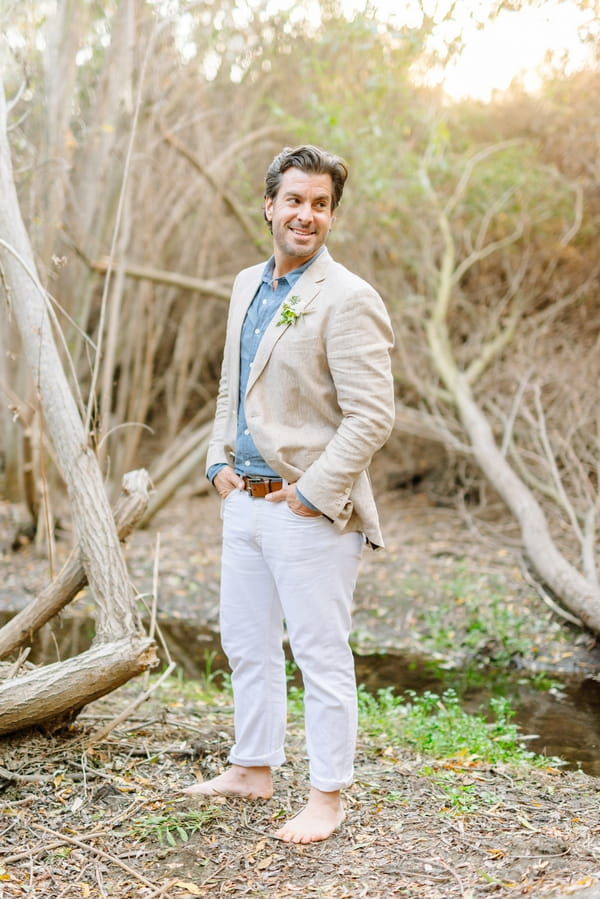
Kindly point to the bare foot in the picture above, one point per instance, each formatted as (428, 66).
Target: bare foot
(250, 783)
(321, 815)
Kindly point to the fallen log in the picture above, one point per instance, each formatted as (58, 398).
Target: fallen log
(128, 512)
(50, 692)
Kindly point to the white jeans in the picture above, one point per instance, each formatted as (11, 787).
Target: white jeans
(277, 565)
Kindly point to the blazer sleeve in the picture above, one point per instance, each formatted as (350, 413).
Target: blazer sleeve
(216, 452)
(358, 341)
(221, 441)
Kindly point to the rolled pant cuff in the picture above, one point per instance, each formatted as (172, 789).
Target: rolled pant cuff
(330, 786)
(270, 761)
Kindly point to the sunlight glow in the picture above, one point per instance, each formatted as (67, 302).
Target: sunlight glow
(516, 45)
(519, 46)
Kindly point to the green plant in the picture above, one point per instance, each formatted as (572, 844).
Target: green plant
(295, 691)
(212, 679)
(397, 798)
(463, 798)
(438, 726)
(172, 826)
(178, 689)
(226, 686)
(209, 674)
(459, 798)
(380, 713)
(542, 681)
(490, 625)
(290, 315)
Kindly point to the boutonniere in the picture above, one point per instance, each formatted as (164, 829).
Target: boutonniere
(289, 314)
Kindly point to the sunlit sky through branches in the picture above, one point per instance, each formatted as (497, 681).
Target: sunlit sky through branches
(515, 45)
(518, 45)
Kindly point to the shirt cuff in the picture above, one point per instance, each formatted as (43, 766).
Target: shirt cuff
(305, 502)
(214, 470)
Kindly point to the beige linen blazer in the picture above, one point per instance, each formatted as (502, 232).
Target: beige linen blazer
(320, 396)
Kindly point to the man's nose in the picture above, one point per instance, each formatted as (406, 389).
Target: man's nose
(304, 212)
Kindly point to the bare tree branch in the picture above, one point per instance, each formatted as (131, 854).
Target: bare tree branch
(174, 279)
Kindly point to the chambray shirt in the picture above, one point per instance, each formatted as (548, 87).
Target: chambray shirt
(248, 460)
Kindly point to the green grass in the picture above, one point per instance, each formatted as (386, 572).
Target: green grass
(172, 826)
(459, 798)
(437, 726)
(433, 724)
(477, 615)
(451, 745)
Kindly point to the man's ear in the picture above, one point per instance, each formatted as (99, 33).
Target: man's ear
(268, 209)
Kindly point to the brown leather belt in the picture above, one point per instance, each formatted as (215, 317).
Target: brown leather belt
(259, 487)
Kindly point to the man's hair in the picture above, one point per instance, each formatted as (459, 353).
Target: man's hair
(310, 159)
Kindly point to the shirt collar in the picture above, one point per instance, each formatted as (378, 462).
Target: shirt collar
(295, 273)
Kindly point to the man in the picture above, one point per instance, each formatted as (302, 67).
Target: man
(305, 400)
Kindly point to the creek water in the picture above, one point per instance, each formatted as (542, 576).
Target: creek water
(565, 720)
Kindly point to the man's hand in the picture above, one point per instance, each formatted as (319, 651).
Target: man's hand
(288, 494)
(227, 480)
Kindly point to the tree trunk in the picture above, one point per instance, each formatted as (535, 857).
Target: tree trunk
(92, 519)
(577, 593)
(120, 652)
(128, 513)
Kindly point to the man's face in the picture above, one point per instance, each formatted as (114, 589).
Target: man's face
(301, 217)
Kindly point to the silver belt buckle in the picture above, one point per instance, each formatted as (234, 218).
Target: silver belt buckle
(250, 480)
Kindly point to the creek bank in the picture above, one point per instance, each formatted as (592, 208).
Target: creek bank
(562, 722)
(446, 604)
(447, 589)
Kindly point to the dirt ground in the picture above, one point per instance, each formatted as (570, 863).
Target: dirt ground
(111, 821)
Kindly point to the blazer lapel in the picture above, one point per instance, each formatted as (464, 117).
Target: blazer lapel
(244, 294)
(307, 288)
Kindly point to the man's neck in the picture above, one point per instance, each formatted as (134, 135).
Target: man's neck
(284, 267)
(281, 270)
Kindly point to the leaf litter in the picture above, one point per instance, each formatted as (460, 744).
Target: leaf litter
(112, 821)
